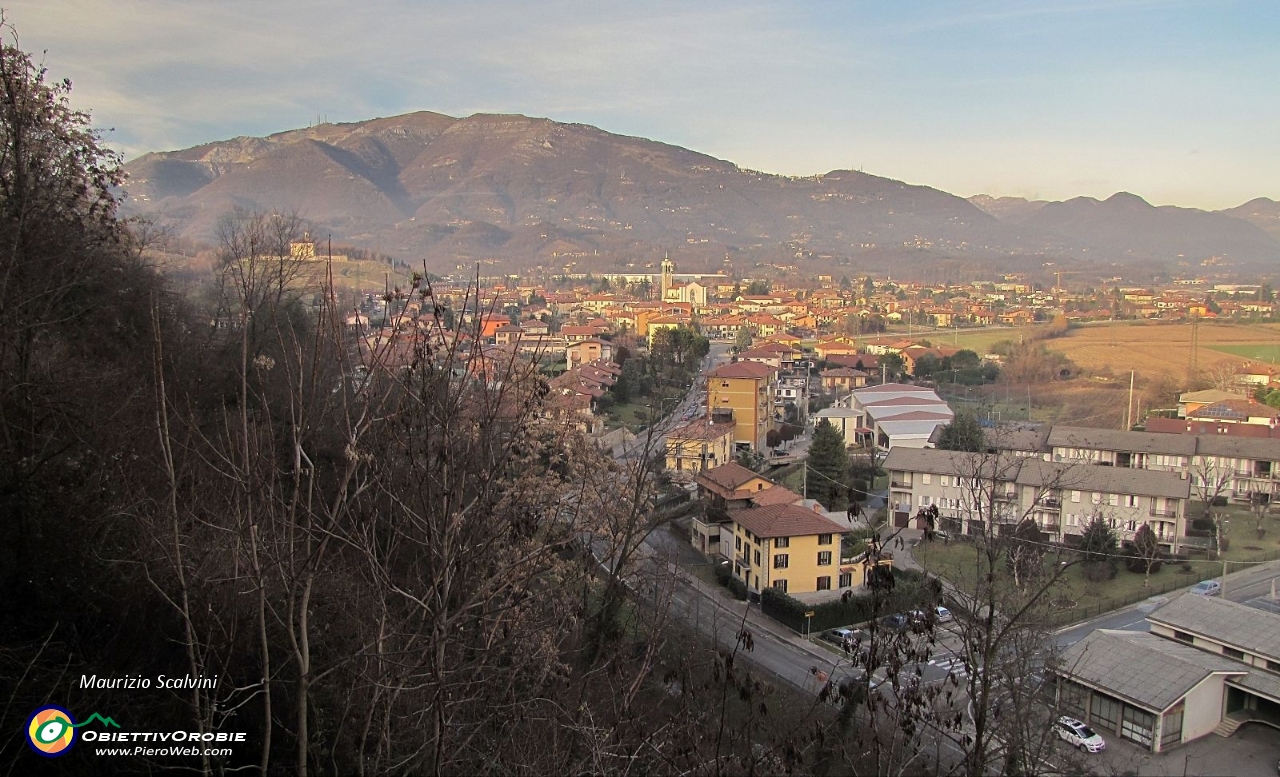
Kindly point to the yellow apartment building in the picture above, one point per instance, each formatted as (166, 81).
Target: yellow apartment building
(745, 391)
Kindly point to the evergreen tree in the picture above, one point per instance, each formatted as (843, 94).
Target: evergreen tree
(962, 434)
(828, 477)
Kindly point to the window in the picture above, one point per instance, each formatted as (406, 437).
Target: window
(925, 501)
(1273, 666)
(757, 558)
(1075, 497)
(926, 478)
(782, 542)
(1138, 726)
(737, 543)
(1073, 698)
(1183, 636)
(846, 579)
(1131, 501)
(824, 558)
(781, 560)
(824, 539)
(1095, 498)
(824, 583)
(1105, 712)
(944, 480)
(1233, 653)
(1113, 500)
(781, 585)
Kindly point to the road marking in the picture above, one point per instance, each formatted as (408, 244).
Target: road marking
(953, 664)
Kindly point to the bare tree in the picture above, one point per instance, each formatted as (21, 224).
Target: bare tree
(1210, 479)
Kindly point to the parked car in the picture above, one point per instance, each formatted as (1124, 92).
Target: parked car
(1207, 588)
(838, 636)
(944, 615)
(1077, 734)
(895, 622)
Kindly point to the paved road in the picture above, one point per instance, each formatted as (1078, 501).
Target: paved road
(1250, 586)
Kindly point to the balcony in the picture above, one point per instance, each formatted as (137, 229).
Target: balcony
(1050, 527)
(1006, 496)
(1166, 513)
(1049, 503)
(899, 483)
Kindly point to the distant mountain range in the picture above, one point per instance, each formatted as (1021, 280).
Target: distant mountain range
(520, 191)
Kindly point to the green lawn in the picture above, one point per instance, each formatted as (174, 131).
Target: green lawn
(958, 562)
(633, 415)
(1263, 352)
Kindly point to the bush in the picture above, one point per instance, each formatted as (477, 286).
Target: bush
(1098, 571)
(1200, 527)
(737, 588)
(723, 575)
(1139, 565)
(1219, 501)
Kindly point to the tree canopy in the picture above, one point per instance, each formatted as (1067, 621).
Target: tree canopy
(964, 433)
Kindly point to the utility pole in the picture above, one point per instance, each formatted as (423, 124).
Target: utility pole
(1128, 409)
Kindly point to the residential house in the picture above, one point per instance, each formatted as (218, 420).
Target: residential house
(792, 549)
(585, 351)
(699, 445)
(1237, 411)
(1190, 401)
(843, 379)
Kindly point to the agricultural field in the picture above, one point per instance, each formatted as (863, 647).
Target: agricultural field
(978, 340)
(1162, 351)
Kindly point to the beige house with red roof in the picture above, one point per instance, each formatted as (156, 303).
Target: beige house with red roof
(792, 549)
(699, 445)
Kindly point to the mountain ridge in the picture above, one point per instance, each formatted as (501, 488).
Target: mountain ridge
(529, 190)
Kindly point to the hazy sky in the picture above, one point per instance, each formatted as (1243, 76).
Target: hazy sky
(1178, 102)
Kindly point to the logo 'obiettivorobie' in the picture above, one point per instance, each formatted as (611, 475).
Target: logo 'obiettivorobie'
(52, 730)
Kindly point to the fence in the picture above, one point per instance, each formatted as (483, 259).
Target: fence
(1079, 614)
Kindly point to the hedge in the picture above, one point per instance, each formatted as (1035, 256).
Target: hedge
(725, 578)
(910, 592)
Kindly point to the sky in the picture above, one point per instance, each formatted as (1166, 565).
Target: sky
(1175, 101)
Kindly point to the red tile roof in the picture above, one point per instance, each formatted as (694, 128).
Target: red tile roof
(784, 521)
(742, 370)
(729, 476)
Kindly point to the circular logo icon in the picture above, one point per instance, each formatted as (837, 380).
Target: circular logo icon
(50, 732)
